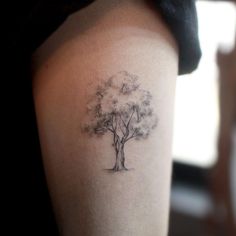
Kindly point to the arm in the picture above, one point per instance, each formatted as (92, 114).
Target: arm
(104, 89)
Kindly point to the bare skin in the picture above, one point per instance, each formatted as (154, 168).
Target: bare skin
(94, 44)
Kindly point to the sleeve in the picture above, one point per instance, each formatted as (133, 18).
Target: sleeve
(44, 17)
(181, 17)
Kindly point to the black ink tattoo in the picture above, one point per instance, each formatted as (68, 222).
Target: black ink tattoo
(122, 108)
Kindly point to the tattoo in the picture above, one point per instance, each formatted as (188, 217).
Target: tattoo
(123, 109)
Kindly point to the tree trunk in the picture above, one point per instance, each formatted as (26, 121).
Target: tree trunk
(120, 158)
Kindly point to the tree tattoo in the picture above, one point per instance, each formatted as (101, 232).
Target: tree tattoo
(120, 107)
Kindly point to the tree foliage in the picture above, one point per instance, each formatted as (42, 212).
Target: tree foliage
(122, 107)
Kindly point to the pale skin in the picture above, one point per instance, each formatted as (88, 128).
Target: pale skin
(92, 45)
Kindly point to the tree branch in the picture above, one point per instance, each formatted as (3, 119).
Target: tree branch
(115, 128)
(121, 129)
(126, 135)
(131, 136)
(122, 120)
(130, 117)
(116, 140)
(112, 123)
(110, 130)
(127, 125)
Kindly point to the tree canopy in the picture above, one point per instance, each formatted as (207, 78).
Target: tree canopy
(121, 107)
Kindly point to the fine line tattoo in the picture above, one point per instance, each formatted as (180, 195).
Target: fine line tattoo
(122, 108)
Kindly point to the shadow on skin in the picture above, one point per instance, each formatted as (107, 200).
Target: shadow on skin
(114, 171)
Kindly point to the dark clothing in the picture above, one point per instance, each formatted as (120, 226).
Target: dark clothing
(27, 27)
(44, 17)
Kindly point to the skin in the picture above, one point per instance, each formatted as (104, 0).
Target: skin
(92, 45)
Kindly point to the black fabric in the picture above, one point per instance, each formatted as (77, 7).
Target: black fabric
(43, 17)
(181, 17)
(29, 209)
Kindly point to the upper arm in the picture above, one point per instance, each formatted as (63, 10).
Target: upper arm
(108, 73)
